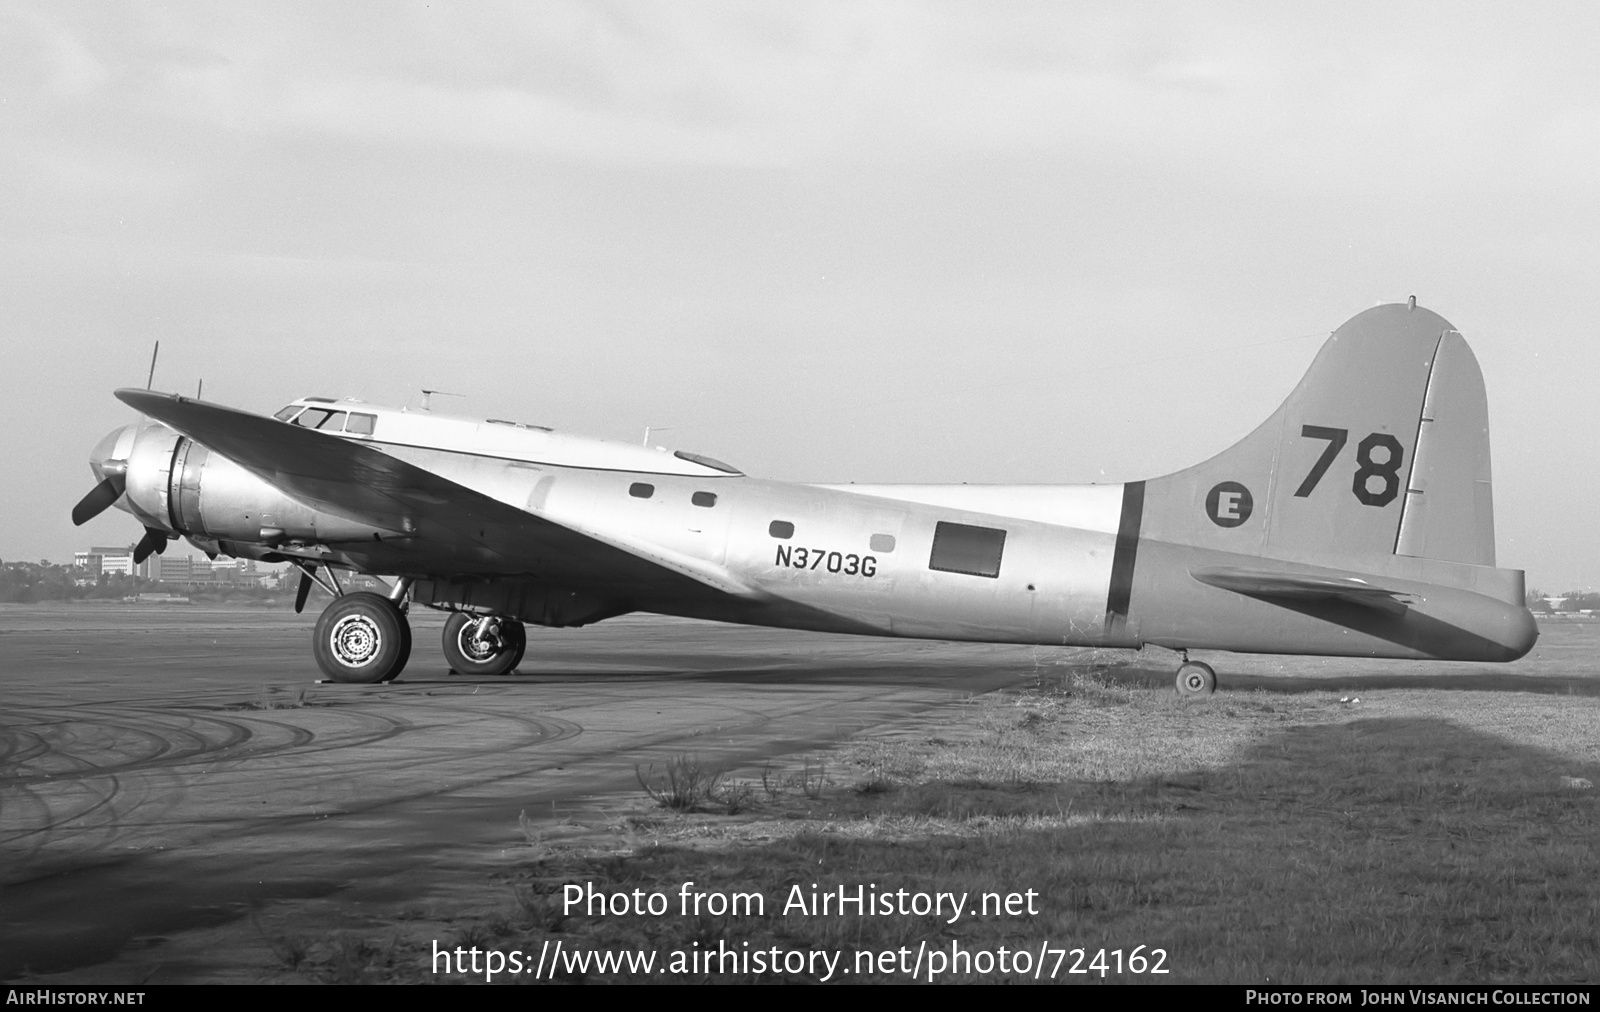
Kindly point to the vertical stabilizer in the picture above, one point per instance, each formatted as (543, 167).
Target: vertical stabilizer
(1382, 449)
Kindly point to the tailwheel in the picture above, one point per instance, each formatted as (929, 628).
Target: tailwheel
(483, 644)
(1196, 679)
(362, 638)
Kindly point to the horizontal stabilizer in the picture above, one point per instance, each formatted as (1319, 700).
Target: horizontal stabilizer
(1270, 585)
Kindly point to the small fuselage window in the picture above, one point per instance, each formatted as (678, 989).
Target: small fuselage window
(641, 490)
(704, 498)
(781, 529)
(962, 548)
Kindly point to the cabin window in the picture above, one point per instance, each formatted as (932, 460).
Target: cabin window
(359, 424)
(882, 543)
(312, 418)
(641, 490)
(961, 548)
(704, 498)
(781, 529)
(287, 413)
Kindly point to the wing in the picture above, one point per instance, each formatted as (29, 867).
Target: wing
(1302, 588)
(450, 530)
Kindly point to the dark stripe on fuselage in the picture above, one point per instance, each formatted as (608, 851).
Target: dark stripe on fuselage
(1121, 589)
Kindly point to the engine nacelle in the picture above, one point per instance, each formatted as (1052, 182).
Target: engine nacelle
(177, 485)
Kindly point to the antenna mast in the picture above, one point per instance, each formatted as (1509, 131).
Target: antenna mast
(429, 393)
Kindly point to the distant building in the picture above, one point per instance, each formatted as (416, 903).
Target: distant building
(187, 570)
(103, 560)
(178, 568)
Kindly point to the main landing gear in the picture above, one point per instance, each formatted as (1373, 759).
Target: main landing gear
(362, 638)
(483, 644)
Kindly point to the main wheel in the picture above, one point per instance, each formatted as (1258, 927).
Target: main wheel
(405, 647)
(483, 644)
(361, 638)
(1196, 679)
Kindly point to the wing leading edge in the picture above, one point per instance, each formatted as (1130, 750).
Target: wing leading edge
(456, 530)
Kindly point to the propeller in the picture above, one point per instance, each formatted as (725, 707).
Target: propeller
(99, 497)
(154, 540)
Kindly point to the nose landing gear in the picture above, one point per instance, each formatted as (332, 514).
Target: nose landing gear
(483, 644)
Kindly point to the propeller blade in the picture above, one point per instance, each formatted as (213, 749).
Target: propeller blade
(99, 497)
(153, 541)
(302, 591)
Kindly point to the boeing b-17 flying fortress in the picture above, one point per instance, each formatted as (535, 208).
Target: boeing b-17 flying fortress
(1357, 520)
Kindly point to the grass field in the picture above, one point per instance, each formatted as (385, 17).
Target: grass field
(1410, 836)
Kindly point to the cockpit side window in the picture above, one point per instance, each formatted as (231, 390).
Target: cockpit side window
(334, 422)
(287, 413)
(360, 424)
(312, 418)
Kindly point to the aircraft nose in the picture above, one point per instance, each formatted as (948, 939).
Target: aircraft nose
(116, 445)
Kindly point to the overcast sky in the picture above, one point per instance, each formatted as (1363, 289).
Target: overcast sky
(825, 242)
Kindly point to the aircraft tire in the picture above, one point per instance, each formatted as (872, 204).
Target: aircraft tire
(517, 633)
(361, 638)
(405, 648)
(466, 657)
(1196, 679)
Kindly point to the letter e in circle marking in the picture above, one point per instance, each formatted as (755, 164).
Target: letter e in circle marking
(1229, 504)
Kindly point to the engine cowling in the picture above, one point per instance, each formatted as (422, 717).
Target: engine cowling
(177, 485)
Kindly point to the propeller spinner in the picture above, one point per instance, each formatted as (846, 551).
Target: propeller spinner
(109, 462)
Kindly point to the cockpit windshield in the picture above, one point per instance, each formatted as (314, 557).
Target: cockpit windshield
(321, 418)
(328, 420)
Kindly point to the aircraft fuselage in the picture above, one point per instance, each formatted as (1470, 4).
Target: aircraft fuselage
(1356, 520)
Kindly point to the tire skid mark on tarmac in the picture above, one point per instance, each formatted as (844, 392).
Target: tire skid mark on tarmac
(66, 770)
(187, 740)
(81, 780)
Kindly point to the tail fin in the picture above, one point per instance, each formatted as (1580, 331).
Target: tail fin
(1383, 449)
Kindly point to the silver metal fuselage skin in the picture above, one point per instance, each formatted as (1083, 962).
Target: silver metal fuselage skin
(834, 558)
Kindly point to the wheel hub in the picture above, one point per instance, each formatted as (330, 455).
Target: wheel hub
(480, 640)
(355, 640)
